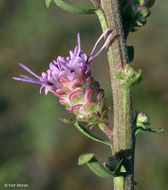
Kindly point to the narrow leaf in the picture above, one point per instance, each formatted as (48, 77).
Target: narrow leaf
(94, 165)
(85, 158)
(84, 131)
(73, 9)
(148, 130)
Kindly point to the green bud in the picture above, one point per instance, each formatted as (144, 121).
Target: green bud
(135, 13)
(129, 77)
(128, 72)
(143, 118)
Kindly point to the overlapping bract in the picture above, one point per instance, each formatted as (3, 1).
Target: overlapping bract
(70, 79)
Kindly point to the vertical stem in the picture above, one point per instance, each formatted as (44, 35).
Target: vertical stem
(123, 138)
(118, 183)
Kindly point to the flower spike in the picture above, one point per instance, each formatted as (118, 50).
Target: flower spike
(70, 79)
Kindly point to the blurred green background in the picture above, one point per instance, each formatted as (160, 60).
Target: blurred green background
(39, 150)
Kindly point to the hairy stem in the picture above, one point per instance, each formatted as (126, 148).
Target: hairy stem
(123, 137)
(96, 3)
(107, 129)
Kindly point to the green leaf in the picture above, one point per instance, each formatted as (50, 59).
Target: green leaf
(148, 130)
(139, 23)
(73, 9)
(122, 169)
(85, 158)
(95, 165)
(48, 3)
(84, 131)
(119, 76)
(130, 53)
(140, 2)
(142, 12)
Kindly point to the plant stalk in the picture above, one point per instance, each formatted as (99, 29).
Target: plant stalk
(123, 132)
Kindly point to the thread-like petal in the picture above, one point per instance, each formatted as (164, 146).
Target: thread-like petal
(28, 70)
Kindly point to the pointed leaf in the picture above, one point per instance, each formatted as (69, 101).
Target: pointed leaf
(85, 158)
(148, 130)
(84, 131)
(73, 9)
(122, 169)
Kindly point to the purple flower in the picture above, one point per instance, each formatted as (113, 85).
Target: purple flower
(70, 79)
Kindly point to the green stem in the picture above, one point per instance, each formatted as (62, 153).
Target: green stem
(124, 105)
(119, 183)
(123, 132)
(102, 19)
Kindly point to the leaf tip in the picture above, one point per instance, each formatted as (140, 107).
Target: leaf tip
(85, 158)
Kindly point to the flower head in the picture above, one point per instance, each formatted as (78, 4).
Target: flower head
(70, 79)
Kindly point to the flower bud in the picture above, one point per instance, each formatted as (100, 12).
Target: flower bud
(129, 77)
(135, 13)
(142, 117)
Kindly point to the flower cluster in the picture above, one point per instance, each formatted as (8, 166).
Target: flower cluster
(70, 79)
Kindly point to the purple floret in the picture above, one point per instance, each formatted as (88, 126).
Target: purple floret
(77, 65)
